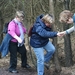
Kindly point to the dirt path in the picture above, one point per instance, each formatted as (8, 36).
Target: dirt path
(4, 71)
(4, 64)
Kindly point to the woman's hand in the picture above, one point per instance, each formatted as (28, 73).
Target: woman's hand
(61, 33)
(18, 39)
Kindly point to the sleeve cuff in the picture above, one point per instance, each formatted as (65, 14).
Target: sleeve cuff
(66, 32)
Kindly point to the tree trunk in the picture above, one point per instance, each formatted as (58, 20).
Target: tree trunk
(67, 42)
(56, 61)
(1, 28)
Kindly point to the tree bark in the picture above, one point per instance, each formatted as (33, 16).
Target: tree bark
(67, 42)
(56, 61)
(1, 28)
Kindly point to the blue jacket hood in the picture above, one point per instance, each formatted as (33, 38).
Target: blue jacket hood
(38, 19)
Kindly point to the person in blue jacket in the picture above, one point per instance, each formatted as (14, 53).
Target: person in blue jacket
(39, 40)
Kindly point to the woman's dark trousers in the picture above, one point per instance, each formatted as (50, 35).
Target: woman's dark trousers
(13, 49)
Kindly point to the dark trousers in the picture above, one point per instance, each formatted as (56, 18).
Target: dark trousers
(13, 49)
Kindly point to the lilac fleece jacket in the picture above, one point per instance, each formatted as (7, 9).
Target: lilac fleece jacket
(13, 30)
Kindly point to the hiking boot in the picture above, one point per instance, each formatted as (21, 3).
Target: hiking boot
(26, 66)
(13, 71)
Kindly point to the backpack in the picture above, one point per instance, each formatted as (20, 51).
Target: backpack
(5, 30)
(30, 31)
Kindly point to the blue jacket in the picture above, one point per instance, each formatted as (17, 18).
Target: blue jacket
(41, 33)
(4, 47)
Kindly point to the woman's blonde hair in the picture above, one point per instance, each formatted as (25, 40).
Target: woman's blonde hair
(65, 15)
(19, 14)
(48, 18)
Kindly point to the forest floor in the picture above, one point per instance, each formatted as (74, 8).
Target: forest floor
(4, 64)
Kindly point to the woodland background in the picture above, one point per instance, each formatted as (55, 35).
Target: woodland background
(65, 46)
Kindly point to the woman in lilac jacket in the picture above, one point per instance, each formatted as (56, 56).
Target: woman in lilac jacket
(17, 31)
